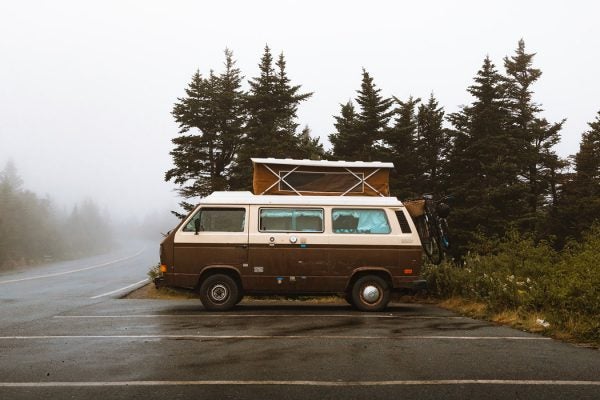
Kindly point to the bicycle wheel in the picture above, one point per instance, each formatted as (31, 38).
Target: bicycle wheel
(429, 240)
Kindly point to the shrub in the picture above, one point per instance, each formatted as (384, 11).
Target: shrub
(154, 272)
(529, 277)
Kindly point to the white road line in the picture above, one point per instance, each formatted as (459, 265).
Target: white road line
(519, 382)
(120, 289)
(75, 270)
(211, 315)
(240, 337)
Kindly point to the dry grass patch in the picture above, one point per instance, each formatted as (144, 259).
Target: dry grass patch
(150, 291)
(462, 306)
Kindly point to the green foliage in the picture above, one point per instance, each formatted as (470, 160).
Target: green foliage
(482, 166)
(534, 136)
(222, 127)
(431, 145)
(272, 130)
(211, 119)
(520, 274)
(401, 141)
(154, 272)
(359, 134)
(347, 129)
(578, 205)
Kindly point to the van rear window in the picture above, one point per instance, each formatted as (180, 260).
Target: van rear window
(291, 220)
(404, 226)
(365, 221)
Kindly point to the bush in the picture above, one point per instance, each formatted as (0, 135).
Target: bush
(531, 277)
(154, 272)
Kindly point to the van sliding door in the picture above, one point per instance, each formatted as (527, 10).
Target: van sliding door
(285, 250)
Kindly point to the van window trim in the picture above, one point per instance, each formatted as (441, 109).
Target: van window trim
(292, 208)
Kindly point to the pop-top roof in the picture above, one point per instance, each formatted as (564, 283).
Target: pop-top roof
(287, 176)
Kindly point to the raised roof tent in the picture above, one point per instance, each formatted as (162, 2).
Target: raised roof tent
(275, 176)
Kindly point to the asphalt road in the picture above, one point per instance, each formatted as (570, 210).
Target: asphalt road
(64, 333)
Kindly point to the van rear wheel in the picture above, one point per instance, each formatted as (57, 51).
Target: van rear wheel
(219, 292)
(371, 293)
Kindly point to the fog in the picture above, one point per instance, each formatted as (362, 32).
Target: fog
(86, 88)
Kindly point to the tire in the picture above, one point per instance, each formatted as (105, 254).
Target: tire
(371, 293)
(348, 298)
(219, 292)
(240, 297)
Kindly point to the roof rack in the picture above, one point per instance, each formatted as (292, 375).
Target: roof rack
(320, 177)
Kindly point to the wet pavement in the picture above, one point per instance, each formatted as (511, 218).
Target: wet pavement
(63, 343)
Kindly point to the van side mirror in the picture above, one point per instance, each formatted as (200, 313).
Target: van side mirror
(197, 225)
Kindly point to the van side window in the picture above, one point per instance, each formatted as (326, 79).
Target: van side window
(218, 220)
(369, 221)
(291, 220)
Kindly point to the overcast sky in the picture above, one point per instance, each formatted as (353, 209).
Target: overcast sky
(86, 88)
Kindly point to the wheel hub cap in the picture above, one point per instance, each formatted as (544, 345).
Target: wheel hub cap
(370, 293)
(219, 292)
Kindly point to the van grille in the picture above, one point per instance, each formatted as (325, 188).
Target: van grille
(403, 222)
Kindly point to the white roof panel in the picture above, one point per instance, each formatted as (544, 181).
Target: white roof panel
(249, 198)
(324, 163)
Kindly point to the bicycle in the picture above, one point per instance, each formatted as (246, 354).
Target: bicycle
(429, 216)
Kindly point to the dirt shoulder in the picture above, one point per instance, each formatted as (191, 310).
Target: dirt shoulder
(150, 292)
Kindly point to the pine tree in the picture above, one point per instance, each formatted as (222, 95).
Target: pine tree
(271, 130)
(347, 130)
(310, 148)
(365, 143)
(579, 204)
(533, 137)
(211, 119)
(431, 145)
(483, 172)
(373, 118)
(400, 143)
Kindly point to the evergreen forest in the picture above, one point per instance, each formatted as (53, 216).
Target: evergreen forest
(33, 230)
(496, 156)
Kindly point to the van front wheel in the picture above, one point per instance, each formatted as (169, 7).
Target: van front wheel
(219, 292)
(371, 293)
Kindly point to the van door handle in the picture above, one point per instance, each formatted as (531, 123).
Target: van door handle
(243, 246)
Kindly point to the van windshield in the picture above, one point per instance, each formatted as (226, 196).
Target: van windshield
(218, 220)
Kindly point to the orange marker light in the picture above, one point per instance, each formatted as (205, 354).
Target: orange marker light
(163, 268)
(408, 271)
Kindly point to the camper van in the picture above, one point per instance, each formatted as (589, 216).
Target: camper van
(360, 246)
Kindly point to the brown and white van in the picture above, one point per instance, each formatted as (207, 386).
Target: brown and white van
(237, 243)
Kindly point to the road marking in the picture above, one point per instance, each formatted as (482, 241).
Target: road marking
(519, 382)
(240, 337)
(120, 289)
(211, 315)
(75, 270)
